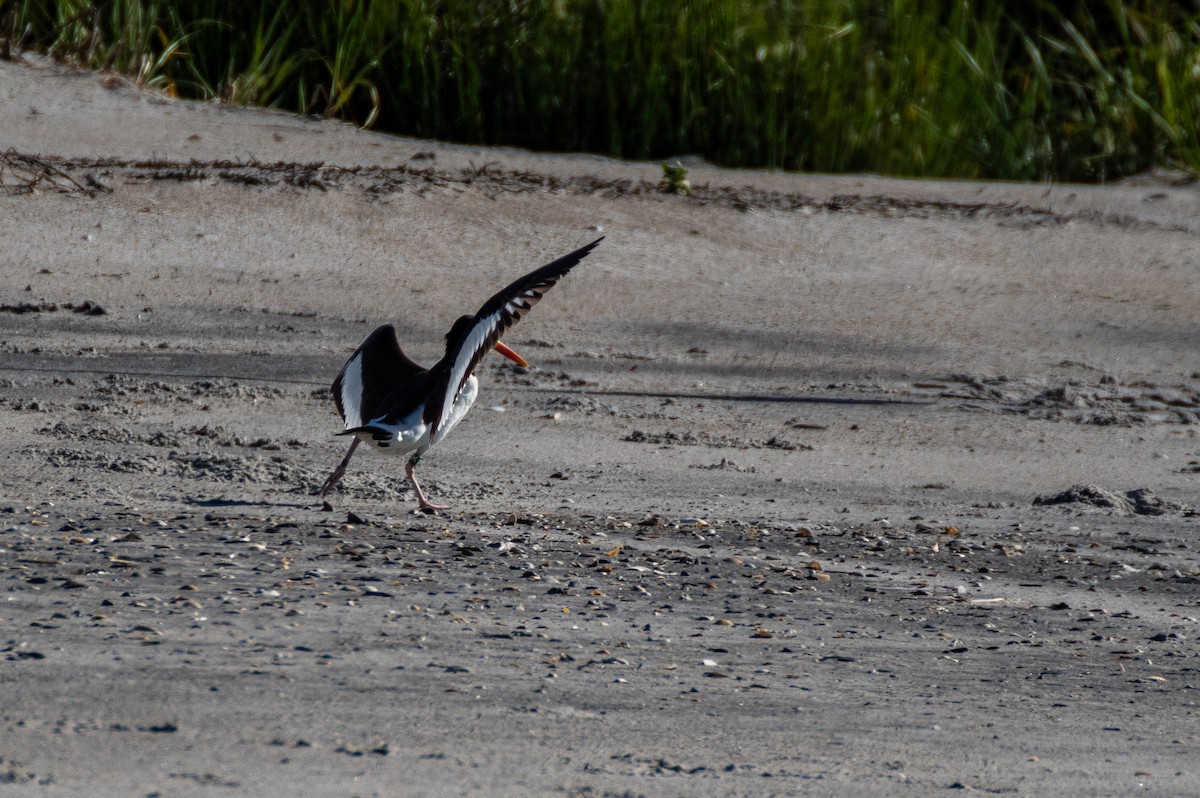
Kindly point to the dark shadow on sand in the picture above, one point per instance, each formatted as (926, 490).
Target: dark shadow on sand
(737, 397)
(244, 503)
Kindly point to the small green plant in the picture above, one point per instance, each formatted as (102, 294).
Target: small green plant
(675, 179)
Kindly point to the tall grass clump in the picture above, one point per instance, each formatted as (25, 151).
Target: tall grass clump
(139, 39)
(1032, 90)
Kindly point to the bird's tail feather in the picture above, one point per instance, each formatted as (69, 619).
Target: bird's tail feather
(378, 433)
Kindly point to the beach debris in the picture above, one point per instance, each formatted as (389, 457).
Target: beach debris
(1141, 501)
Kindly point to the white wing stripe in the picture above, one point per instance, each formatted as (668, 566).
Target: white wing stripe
(352, 391)
(475, 340)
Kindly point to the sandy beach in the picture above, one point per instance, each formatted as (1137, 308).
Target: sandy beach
(818, 485)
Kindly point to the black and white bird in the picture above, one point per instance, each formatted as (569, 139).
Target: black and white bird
(391, 403)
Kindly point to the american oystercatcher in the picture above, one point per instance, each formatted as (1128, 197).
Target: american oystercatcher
(391, 403)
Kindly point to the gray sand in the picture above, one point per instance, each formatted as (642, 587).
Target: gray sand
(819, 485)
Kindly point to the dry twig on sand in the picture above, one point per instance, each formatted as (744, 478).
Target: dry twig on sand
(27, 174)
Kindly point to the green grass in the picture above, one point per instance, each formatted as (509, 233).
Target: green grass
(986, 89)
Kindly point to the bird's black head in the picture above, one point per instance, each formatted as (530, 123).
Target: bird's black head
(458, 330)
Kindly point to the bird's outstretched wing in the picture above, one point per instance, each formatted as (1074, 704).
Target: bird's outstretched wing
(498, 314)
(372, 376)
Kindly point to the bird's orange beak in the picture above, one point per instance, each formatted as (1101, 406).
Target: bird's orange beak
(511, 355)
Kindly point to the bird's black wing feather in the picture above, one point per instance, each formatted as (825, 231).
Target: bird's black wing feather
(375, 374)
(499, 313)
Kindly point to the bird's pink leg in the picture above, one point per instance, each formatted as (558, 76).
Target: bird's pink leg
(425, 503)
(340, 471)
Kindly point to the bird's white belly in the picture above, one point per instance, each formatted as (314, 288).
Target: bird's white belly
(405, 440)
(411, 434)
(462, 403)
